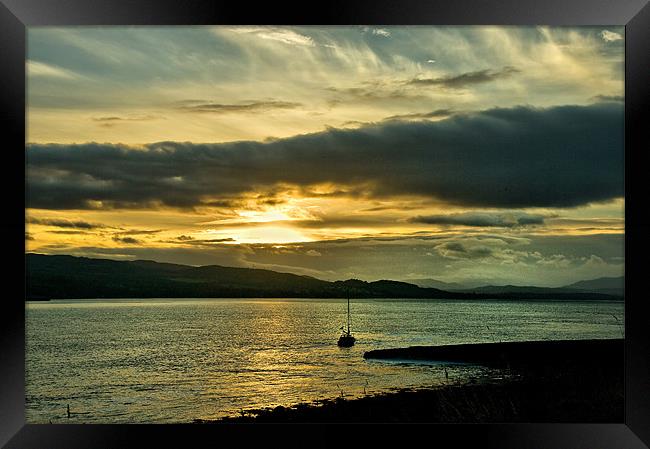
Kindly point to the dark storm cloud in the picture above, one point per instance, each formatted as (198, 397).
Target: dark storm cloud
(454, 246)
(189, 240)
(206, 242)
(59, 223)
(110, 121)
(251, 107)
(141, 231)
(457, 250)
(509, 158)
(482, 219)
(614, 98)
(371, 94)
(127, 240)
(438, 113)
(465, 79)
(81, 227)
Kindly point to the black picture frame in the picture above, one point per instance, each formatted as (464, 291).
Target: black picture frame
(16, 15)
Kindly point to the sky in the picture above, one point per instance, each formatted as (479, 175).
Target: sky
(478, 155)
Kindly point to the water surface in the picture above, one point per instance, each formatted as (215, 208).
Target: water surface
(174, 360)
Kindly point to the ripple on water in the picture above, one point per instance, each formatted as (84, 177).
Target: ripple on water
(177, 360)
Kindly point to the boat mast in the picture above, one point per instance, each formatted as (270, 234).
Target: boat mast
(348, 314)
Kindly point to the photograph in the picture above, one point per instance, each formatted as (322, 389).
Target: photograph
(324, 224)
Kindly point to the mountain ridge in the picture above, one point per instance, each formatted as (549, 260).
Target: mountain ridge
(606, 285)
(72, 277)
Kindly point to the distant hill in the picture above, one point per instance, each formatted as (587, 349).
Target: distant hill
(607, 285)
(434, 283)
(80, 277)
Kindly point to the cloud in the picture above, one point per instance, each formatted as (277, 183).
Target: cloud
(41, 69)
(186, 240)
(286, 36)
(556, 261)
(606, 98)
(487, 259)
(505, 157)
(342, 221)
(79, 226)
(154, 67)
(381, 32)
(61, 223)
(372, 94)
(483, 219)
(438, 113)
(127, 240)
(250, 107)
(457, 250)
(465, 79)
(141, 231)
(610, 36)
(588, 224)
(109, 121)
(376, 31)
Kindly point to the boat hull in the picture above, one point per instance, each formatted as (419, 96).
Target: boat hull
(345, 341)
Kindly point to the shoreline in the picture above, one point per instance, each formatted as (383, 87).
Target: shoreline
(520, 354)
(584, 383)
(616, 299)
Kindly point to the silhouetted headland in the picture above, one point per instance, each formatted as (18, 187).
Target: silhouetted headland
(538, 381)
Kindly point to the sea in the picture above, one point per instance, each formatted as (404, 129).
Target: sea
(178, 360)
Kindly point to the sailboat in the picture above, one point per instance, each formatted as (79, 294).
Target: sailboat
(346, 339)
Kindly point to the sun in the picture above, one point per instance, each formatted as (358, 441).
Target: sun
(262, 234)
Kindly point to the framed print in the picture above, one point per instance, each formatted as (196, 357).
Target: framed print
(248, 222)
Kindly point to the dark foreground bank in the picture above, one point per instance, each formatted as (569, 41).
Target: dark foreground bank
(558, 381)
